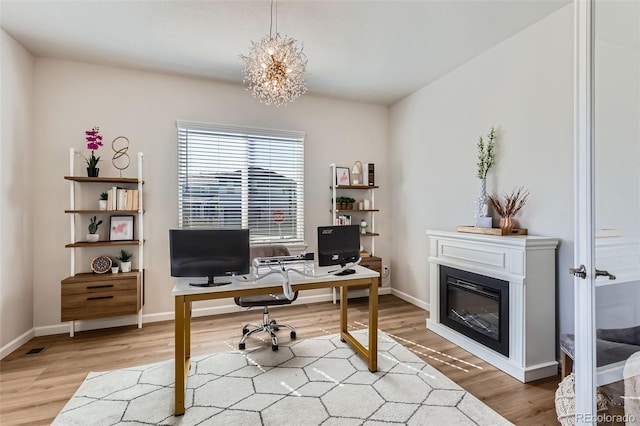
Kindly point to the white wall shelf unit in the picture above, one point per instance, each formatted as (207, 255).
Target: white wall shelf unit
(87, 295)
(367, 213)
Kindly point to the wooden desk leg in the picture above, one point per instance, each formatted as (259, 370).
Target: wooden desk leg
(187, 333)
(373, 325)
(180, 307)
(344, 301)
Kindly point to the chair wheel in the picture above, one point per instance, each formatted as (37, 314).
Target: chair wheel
(274, 328)
(274, 347)
(245, 331)
(293, 334)
(241, 346)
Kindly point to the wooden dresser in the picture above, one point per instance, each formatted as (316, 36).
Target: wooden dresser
(90, 295)
(372, 262)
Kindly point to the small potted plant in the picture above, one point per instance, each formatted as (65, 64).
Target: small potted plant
(125, 260)
(349, 201)
(103, 200)
(93, 236)
(510, 206)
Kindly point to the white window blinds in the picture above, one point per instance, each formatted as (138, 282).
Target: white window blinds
(237, 177)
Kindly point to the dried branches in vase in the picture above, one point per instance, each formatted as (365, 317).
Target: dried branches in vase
(510, 206)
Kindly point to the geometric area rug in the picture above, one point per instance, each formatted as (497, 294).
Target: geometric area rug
(318, 381)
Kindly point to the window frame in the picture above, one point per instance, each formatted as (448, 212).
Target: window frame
(254, 166)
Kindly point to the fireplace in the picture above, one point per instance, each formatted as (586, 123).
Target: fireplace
(476, 306)
(527, 307)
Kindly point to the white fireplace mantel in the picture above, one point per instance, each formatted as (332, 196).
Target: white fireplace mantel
(528, 263)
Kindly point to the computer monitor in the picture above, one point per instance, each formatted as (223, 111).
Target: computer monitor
(211, 253)
(338, 245)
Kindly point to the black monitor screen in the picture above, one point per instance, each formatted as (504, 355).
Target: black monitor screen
(338, 245)
(209, 253)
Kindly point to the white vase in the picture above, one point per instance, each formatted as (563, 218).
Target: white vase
(93, 238)
(125, 266)
(102, 204)
(481, 202)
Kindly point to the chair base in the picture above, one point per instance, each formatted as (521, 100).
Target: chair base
(268, 326)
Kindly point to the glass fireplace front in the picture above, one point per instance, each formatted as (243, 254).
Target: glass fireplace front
(476, 306)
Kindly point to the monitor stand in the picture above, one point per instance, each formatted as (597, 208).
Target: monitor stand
(347, 271)
(211, 282)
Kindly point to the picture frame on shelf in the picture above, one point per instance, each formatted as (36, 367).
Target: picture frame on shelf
(121, 228)
(343, 176)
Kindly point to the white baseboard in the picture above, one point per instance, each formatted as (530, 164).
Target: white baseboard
(414, 301)
(16, 343)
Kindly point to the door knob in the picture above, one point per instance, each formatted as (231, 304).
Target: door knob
(580, 272)
(602, 273)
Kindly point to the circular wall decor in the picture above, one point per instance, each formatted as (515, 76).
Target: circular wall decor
(101, 264)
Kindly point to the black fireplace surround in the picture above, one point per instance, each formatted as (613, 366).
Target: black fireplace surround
(476, 306)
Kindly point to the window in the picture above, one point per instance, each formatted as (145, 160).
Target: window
(237, 177)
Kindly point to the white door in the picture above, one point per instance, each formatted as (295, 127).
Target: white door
(607, 199)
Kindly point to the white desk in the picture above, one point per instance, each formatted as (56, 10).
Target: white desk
(185, 295)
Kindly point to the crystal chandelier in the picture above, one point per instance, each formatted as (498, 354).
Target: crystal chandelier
(274, 69)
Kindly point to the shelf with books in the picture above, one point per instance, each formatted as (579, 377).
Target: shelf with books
(357, 211)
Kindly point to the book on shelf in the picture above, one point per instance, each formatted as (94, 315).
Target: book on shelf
(111, 198)
(368, 174)
(131, 201)
(344, 219)
(136, 200)
(123, 199)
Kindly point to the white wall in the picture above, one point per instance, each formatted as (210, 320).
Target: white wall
(73, 97)
(523, 87)
(18, 162)
(617, 137)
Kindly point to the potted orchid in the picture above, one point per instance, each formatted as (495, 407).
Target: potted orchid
(94, 141)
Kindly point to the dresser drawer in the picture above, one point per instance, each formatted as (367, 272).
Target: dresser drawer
(372, 262)
(89, 287)
(98, 305)
(89, 296)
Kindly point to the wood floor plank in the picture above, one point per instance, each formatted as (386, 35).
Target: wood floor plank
(34, 388)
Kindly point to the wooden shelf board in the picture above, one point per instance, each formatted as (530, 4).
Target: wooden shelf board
(356, 210)
(111, 212)
(84, 276)
(369, 234)
(354, 187)
(104, 244)
(102, 179)
(491, 231)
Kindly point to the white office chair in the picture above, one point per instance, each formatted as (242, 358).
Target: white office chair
(266, 300)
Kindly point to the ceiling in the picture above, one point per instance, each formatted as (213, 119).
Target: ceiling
(372, 51)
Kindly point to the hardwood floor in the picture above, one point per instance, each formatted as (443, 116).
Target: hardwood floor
(35, 387)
